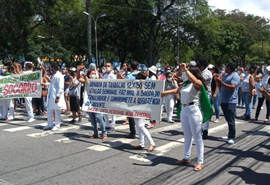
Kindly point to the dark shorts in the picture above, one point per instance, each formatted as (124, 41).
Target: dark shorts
(74, 103)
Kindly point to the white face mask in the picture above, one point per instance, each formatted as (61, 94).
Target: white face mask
(184, 77)
(108, 69)
(92, 76)
(169, 79)
(103, 70)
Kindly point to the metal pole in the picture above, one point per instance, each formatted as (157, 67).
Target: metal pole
(262, 50)
(88, 10)
(178, 34)
(97, 63)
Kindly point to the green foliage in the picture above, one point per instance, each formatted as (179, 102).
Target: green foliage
(144, 30)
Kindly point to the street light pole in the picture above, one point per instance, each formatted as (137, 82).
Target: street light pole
(96, 39)
(88, 12)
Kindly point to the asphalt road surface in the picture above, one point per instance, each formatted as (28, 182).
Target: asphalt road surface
(30, 155)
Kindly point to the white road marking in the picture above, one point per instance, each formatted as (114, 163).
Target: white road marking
(60, 130)
(167, 147)
(118, 142)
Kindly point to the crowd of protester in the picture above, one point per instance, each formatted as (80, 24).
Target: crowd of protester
(227, 87)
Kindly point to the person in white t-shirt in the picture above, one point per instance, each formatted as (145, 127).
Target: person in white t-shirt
(258, 85)
(28, 100)
(109, 75)
(152, 76)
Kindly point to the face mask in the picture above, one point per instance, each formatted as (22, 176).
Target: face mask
(92, 76)
(266, 72)
(108, 69)
(169, 79)
(103, 70)
(245, 72)
(64, 71)
(3, 71)
(184, 77)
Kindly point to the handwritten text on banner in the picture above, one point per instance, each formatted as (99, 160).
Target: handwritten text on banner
(20, 86)
(141, 99)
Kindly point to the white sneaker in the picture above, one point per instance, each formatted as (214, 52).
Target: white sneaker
(55, 128)
(31, 120)
(170, 121)
(48, 127)
(231, 141)
(225, 138)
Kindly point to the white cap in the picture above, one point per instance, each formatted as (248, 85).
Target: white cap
(268, 68)
(153, 69)
(192, 63)
(211, 66)
(92, 66)
(73, 69)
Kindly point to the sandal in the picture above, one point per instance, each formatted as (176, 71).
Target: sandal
(94, 136)
(104, 138)
(151, 150)
(198, 167)
(183, 161)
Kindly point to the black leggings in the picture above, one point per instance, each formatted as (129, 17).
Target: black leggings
(39, 104)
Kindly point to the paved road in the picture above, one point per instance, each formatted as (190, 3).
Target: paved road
(30, 155)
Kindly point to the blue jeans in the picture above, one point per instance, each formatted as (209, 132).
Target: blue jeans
(216, 104)
(97, 117)
(229, 110)
(240, 98)
(247, 100)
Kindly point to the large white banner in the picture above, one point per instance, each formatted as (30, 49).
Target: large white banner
(20, 86)
(140, 99)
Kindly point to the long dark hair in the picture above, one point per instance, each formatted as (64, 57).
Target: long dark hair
(198, 74)
(152, 74)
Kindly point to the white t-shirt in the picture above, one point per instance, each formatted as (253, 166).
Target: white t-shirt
(109, 76)
(258, 85)
(152, 78)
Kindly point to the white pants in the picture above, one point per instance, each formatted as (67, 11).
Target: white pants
(169, 105)
(191, 119)
(143, 132)
(29, 107)
(57, 117)
(8, 104)
(106, 118)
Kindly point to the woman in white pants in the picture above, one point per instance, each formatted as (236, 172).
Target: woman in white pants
(169, 98)
(142, 131)
(191, 116)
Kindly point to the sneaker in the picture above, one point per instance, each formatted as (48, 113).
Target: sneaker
(170, 121)
(247, 118)
(231, 141)
(79, 120)
(205, 134)
(151, 125)
(111, 129)
(266, 120)
(55, 128)
(146, 125)
(225, 138)
(216, 121)
(31, 120)
(107, 128)
(47, 127)
(129, 136)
